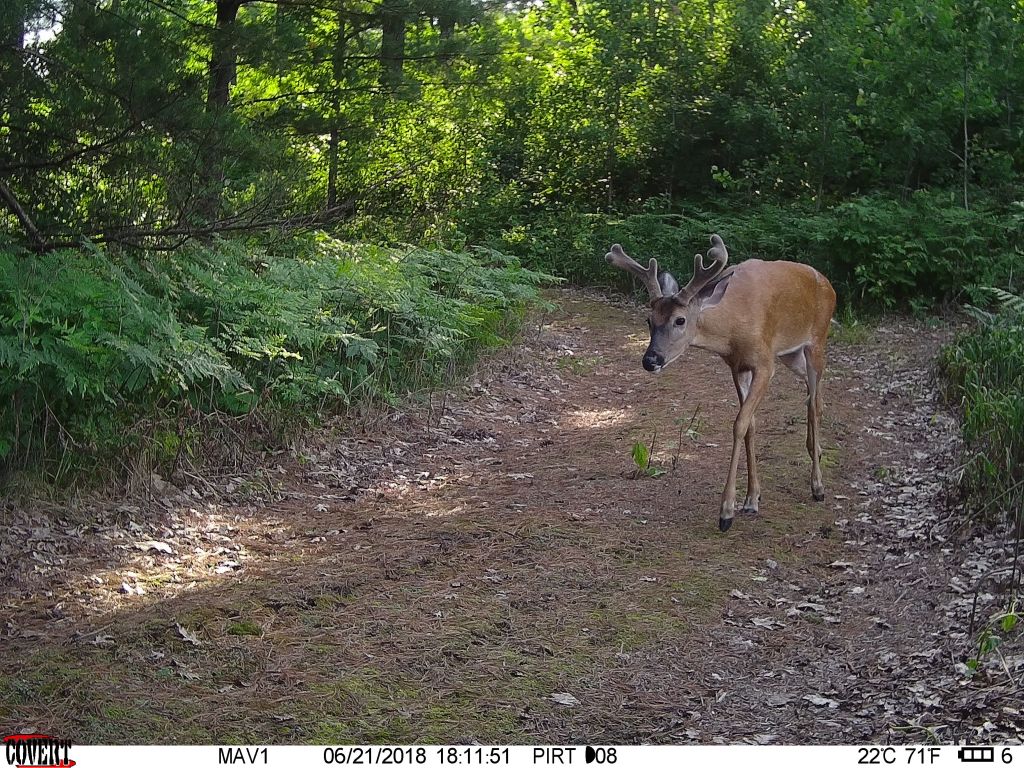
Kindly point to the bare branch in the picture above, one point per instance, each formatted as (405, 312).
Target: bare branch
(11, 201)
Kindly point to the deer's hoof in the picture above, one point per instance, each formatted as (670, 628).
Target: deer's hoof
(750, 506)
(724, 523)
(818, 494)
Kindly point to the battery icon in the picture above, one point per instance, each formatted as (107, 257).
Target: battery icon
(977, 755)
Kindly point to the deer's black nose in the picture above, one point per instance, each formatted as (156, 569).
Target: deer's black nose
(653, 361)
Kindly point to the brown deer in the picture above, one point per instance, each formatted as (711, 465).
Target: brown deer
(751, 315)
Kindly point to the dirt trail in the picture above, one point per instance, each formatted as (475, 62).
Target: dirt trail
(487, 567)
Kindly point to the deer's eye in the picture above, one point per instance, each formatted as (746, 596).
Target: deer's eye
(680, 321)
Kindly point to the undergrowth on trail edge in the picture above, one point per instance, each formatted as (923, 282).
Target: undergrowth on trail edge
(879, 252)
(984, 373)
(160, 359)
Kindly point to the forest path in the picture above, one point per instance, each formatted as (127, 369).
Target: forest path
(488, 567)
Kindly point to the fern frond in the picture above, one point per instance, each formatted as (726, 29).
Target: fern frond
(1008, 301)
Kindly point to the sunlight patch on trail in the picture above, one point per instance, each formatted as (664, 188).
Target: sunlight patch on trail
(588, 418)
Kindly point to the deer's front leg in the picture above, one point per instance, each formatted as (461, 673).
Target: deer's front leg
(742, 381)
(759, 378)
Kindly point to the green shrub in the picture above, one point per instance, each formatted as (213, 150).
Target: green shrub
(878, 252)
(984, 374)
(101, 353)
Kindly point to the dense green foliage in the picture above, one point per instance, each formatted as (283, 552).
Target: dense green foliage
(876, 251)
(163, 165)
(120, 119)
(95, 348)
(985, 371)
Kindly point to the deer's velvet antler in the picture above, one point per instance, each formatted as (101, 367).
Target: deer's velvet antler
(618, 258)
(702, 274)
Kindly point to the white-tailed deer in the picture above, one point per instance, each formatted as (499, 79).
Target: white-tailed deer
(751, 315)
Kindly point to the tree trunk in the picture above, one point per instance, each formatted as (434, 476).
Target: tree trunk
(12, 41)
(338, 72)
(11, 203)
(280, 22)
(446, 29)
(12, 24)
(967, 167)
(222, 62)
(13, 101)
(332, 168)
(392, 45)
(222, 75)
(446, 25)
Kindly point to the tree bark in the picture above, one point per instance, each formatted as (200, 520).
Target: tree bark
(13, 19)
(332, 167)
(446, 25)
(223, 60)
(446, 28)
(280, 21)
(338, 72)
(222, 74)
(392, 44)
(11, 203)
(967, 145)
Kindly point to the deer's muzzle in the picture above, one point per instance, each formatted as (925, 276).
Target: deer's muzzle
(653, 361)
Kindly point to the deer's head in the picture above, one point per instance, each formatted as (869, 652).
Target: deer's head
(675, 310)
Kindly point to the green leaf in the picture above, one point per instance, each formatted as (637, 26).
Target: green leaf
(989, 644)
(641, 456)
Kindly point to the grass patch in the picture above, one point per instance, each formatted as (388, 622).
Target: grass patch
(850, 331)
(581, 365)
(829, 458)
(243, 628)
(984, 374)
(52, 674)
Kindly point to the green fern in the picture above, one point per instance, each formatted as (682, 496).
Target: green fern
(984, 371)
(98, 344)
(1009, 302)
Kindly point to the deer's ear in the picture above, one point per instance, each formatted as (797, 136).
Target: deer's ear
(669, 286)
(710, 297)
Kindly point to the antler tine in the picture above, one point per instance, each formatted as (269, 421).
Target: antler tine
(702, 274)
(718, 253)
(618, 258)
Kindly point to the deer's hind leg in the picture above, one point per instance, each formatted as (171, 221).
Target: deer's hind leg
(814, 357)
(808, 362)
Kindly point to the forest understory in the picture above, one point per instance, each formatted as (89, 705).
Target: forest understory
(489, 566)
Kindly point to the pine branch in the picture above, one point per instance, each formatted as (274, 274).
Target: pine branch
(149, 238)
